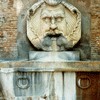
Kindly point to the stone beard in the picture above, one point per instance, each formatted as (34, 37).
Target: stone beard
(50, 28)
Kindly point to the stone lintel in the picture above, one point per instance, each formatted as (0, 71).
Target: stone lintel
(31, 66)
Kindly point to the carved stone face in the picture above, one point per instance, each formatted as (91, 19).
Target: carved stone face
(53, 25)
(52, 28)
(53, 21)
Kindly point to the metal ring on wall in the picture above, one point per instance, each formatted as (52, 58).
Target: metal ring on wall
(23, 83)
(83, 82)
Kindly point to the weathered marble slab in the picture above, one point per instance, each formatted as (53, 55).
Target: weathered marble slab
(35, 80)
(38, 85)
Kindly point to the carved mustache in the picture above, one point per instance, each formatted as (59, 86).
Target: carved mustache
(60, 40)
(47, 40)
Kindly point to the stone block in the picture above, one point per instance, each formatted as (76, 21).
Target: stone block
(54, 56)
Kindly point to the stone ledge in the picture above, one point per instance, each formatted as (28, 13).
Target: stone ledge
(33, 66)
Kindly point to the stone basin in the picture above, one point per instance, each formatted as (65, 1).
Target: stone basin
(29, 80)
(29, 84)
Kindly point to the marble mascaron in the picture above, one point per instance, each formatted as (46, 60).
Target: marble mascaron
(53, 25)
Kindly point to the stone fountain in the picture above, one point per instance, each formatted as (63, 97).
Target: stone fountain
(53, 28)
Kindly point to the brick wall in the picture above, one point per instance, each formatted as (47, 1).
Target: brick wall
(10, 10)
(95, 30)
(8, 30)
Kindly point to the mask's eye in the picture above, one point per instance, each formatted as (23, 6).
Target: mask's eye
(59, 19)
(47, 19)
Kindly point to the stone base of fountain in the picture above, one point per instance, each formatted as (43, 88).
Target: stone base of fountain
(54, 56)
(35, 80)
(30, 83)
(34, 85)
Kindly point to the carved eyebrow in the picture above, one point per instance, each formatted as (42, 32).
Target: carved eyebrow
(55, 13)
(60, 14)
(45, 14)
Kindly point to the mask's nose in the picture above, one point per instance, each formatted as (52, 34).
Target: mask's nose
(53, 25)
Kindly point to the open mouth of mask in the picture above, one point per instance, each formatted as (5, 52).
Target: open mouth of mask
(55, 41)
